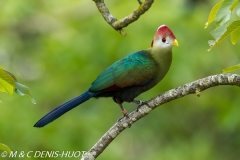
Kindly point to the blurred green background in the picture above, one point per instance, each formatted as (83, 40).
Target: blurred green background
(58, 47)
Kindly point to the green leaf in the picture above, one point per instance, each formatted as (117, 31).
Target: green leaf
(235, 35)
(5, 148)
(238, 9)
(23, 90)
(223, 31)
(234, 5)
(7, 83)
(217, 34)
(212, 14)
(224, 11)
(232, 68)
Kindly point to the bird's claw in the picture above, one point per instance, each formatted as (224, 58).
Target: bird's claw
(124, 115)
(140, 104)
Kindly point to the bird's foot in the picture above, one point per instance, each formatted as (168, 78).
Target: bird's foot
(125, 114)
(140, 104)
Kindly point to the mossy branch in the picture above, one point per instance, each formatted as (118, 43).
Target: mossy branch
(191, 88)
(118, 25)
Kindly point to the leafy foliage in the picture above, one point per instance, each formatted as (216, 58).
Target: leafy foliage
(221, 14)
(232, 68)
(5, 148)
(9, 83)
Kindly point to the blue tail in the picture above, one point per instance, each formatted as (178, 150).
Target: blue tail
(63, 108)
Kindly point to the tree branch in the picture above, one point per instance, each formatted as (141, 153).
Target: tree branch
(118, 25)
(191, 88)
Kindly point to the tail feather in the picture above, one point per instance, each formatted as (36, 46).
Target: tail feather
(63, 108)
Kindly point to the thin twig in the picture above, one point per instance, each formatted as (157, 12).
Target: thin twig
(118, 25)
(191, 88)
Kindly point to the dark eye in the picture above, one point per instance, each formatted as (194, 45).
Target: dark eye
(163, 40)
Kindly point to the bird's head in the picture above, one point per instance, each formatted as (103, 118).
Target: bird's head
(164, 38)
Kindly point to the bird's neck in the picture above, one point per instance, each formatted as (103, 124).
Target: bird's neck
(163, 57)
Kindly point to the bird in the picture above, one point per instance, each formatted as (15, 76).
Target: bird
(127, 78)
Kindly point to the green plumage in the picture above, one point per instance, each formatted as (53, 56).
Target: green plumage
(132, 75)
(127, 78)
(135, 69)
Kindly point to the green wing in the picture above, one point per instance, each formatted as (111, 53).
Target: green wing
(136, 69)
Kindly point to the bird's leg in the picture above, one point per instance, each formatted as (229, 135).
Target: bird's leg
(140, 103)
(124, 111)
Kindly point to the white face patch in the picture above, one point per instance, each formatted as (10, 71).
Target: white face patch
(162, 42)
